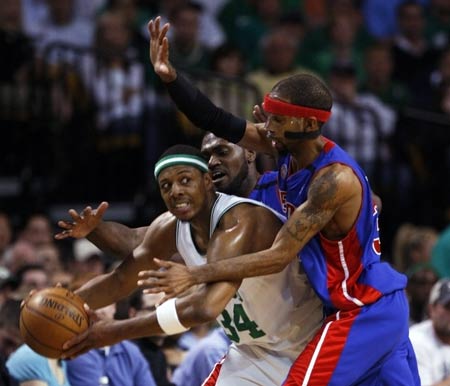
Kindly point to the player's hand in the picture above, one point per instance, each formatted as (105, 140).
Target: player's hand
(173, 280)
(259, 114)
(25, 300)
(83, 223)
(101, 333)
(159, 50)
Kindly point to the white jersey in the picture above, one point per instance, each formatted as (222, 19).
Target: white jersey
(278, 312)
(433, 355)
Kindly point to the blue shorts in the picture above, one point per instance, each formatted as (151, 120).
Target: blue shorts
(365, 346)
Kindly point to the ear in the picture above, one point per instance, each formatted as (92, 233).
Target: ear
(250, 156)
(313, 124)
(208, 181)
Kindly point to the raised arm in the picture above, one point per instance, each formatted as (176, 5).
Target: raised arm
(196, 105)
(111, 237)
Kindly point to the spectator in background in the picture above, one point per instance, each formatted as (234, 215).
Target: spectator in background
(438, 23)
(114, 79)
(61, 25)
(421, 278)
(431, 338)
(151, 346)
(279, 53)
(440, 254)
(247, 27)
(435, 83)
(201, 359)
(378, 68)
(413, 246)
(37, 231)
(30, 368)
(186, 49)
(227, 60)
(411, 49)
(10, 337)
(381, 17)
(5, 234)
(361, 124)
(7, 285)
(50, 257)
(88, 258)
(121, 364)
(342, 41)
(15, 47)
(21, 253)
(31, 277)
(210, 32)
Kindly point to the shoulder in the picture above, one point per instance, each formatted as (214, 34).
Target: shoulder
(163, 225)
(335, 181)
(249, 213)
(24, 364)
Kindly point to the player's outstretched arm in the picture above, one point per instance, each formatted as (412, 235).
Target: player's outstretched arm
(111, 237)
(173, 279)
(196, 105)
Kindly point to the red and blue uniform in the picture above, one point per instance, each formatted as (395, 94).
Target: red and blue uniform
(266, 191)
(364, 340)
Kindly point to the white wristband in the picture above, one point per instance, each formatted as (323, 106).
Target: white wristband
(167, 317)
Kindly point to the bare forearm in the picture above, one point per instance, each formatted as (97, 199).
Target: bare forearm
(116, 239)
(104, 290)
(237, 268)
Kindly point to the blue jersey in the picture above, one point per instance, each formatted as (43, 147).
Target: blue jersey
(345, 273)
(266, 191)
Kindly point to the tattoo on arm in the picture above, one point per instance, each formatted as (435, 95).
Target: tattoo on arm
(317, 211)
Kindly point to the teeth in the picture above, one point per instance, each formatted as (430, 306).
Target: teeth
(218, 174)
(181, 205)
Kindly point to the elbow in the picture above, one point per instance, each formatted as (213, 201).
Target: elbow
(203, 311)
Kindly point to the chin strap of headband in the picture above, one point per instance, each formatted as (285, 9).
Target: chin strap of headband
(275, 106)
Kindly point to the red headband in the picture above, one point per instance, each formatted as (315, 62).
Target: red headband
(275, 106)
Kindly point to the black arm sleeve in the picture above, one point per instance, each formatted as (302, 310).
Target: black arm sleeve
(203, 113)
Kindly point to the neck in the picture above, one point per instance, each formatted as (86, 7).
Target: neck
(200, 224)
(306, 152)
(248, 184)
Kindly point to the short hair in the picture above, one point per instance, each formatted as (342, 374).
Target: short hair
(305, 90)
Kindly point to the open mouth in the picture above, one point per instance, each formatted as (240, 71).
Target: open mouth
(217, 175)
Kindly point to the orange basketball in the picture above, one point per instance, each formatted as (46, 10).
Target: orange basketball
(49, 318)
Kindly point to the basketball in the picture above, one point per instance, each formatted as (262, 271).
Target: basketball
(49, 318)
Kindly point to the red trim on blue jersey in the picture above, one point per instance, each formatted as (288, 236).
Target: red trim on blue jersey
(317, 362)
(344, 267)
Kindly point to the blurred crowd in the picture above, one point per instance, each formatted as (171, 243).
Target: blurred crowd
(84, 118)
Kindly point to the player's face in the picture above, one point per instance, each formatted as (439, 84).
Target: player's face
(184, 190)
(440, 315)
(227, 163)
(278, 125)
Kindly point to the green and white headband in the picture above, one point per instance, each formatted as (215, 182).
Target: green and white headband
(180, 159)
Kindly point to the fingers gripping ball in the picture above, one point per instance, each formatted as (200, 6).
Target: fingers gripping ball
(51, 317)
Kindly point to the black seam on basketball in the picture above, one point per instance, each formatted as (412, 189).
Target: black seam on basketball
(35, 339)
(51, 319)
(80, 309)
